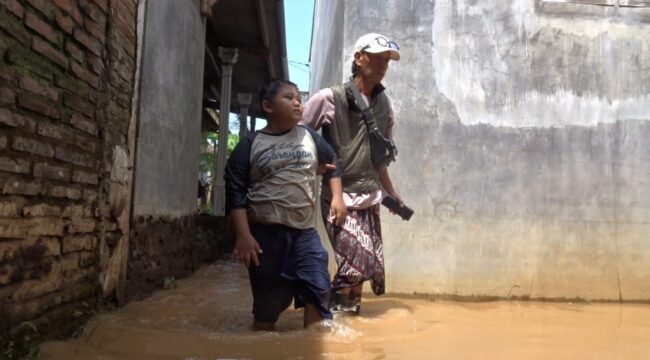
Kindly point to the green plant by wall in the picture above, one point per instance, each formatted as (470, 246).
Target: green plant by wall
(23, 344)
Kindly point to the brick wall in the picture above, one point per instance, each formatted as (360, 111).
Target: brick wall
(67, 70)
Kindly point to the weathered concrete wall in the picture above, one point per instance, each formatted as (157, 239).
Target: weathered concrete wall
(326, 50)
(164, 248)
(524, 134)
(169, 140)
(66, 85)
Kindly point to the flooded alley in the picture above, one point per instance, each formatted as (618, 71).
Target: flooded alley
(208, 317)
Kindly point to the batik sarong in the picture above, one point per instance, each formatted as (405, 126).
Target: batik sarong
(358, 248)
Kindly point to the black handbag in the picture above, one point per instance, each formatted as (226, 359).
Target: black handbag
(382, 149)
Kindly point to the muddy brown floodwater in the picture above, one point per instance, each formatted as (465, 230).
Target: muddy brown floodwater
(208, 317)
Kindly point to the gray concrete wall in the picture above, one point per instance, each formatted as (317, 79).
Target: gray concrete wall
(524, 134)
(170, 109)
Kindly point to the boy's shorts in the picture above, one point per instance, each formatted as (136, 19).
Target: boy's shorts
(293, 264)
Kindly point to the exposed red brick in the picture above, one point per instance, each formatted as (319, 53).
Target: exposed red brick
(25, 123)
(32, 21)
(85, 75)
(126, 73)
(96, 64)
(44, 170)
(120, 84)
(14, 7)
(32, 146)
(65, 5)
(7, 118)
(30, 84)
(90, 195)
(14, 165)
(70, 8)
(64, 192)
(35, 104)
(78, 243)
(74, 51)
(76, 103)
(65, 22)
(22, 187)
(42, 210)
(86, 143)
(126, 10)
(7, 96)
(95, 30)
(87, 259)
(10, 206)
(89, 42)
(124, 101)
(51, 53)
(84, 124)
(8, 74)
(44, 6)
(72, 157)
(129, 46)
(56, 132)
(84, 177)
(103, 4)
(93, 11)
(14, 27)
(126, 23)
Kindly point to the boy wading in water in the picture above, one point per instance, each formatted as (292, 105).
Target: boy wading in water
(271, 199)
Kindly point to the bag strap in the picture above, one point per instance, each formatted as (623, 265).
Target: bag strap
(367, 115)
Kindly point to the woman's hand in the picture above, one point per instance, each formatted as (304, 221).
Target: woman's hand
(246, 250)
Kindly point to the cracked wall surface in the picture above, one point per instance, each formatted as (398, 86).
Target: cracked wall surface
(524, 137)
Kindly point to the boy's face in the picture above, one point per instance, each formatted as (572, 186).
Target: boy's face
(286, 106)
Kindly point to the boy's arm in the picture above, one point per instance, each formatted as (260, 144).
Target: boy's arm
(246, 247)
(237, 175)
(327, 155)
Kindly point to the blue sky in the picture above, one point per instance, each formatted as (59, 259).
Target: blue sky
(298, 16)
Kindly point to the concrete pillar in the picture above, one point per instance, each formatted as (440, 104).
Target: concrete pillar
(244, 101)
(228, 58)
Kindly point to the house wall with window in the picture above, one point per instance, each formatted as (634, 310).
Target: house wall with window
(523, 130)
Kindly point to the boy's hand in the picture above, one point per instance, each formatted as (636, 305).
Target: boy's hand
(246, 250)
(338, 211)
(322, 169)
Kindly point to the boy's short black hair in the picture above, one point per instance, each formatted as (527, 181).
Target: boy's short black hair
(270, 89)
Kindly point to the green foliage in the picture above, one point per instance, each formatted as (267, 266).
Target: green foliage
(24, 345)
(207, 160)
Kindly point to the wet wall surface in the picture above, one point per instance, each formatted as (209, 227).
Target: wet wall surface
(523, 146)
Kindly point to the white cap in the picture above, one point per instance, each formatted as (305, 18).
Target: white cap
(376, 43)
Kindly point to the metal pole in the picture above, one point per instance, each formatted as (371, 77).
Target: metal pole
(244, 100)
(228, 58)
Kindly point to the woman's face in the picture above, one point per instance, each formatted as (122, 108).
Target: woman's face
(286, 106)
